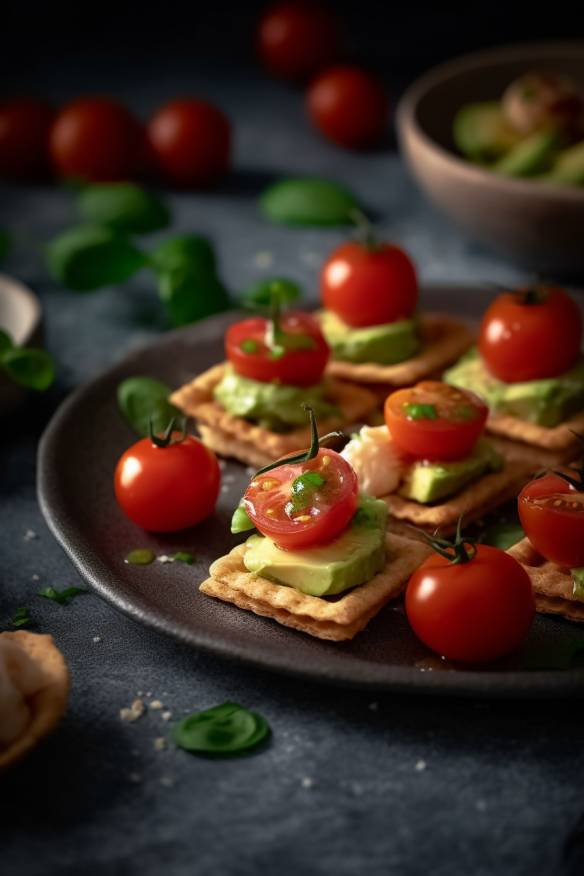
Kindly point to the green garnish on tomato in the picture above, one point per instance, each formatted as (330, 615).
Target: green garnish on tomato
(420, 412)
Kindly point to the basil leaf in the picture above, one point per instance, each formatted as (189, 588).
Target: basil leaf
(261, 294)
(183, 557)
(240, 522)
(28, 367)
(4, 244)
(304, 487)
(140, 557)
(62, 597)
(189, 294)
(123, 206)
(502, 535)
(578, 582)
(88, 257)
(223, 731)
(249, 346)
(5, 342)
(420, 412)
(21, 617)
(183, 251)
(144, 399)
(308, 201)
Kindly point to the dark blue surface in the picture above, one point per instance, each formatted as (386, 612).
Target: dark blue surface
(347, 786)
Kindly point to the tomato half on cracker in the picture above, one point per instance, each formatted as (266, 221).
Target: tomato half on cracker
(435, 421)
(551, 510)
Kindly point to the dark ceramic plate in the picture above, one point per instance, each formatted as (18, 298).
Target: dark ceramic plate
(76, 460)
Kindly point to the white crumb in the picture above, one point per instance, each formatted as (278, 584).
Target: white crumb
(307, 782)
(29, 535)
(420, 766)
(133, 712)
(160, 743)
(96, 639)
(156, 704)
(166, 716)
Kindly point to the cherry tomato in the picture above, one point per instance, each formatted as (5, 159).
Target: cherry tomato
(349, 106)
(475, 611)
(294, 40)
(302, 504)
(96, 139)
(369, 285)
(190, 141)
(531, 334)
(164, 489)
(552, 514)
(298, 357)
(435, 421)
(24, 137)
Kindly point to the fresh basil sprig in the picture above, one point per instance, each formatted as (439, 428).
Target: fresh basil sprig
(308, 201)
(87, 257)
(21, 617)
(27, 366)
(124, 206)
(144, 401)
(62, 597)
(224, 731)
(260, 295)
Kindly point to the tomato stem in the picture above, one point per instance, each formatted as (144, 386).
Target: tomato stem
(311, 453)
(576, 467)
(364, 227)
(166, 439)
(461, 550)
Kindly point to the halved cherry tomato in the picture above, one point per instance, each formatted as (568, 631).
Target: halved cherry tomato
(552, 514)
(296, 39)
(164, 489)
(531, 334)
(302, 504)
(369, 285)
(297, 357)
(435, 421)
(349, 106)
(476, 611)
(24, 137)
(96, 139)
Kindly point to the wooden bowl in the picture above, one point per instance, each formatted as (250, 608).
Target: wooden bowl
(537, 224)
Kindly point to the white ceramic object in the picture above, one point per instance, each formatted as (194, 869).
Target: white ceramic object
(20, 316)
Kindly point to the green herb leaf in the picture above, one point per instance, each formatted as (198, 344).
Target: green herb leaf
(249, 346)
(578, 581)
(88, 257)
(4, 244)
(123, 206)
(144, 400)
(223, 731)
(277, 351)
(240, 522)
(304, 487)
(261, 294)
(140, 557)
(5, 342)
(308, 201)
(63, 597)
(28, 367)
(502, 535)
(190, 294)
(183, 557)
(420, 412)
(21, 617)
(184, 251)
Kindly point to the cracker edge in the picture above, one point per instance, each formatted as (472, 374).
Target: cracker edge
(559, 438)
(549, 581)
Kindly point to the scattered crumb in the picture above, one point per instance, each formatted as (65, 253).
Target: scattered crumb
(164, 558)
(135, 711)
(96, 639)
(29, 535)
(166, 716)
(373, 707)
(263, 259)
(167, 781)
(481, 806)
(35, 577)
(148, 693)
(420, 766)
(135, 777)
(160, 743)
(307, 782)
(156, 704)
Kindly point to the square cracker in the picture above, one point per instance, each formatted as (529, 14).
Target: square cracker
(444, 340)
(253, 444)
(552, 584)
(336, 618)
(558, 439)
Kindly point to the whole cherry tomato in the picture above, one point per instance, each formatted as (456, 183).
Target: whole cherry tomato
(531, 334)
(24, 137)
(474, 611)
(298, 505)
(296, 355)
(551, 511)
(349, 106)
(190, 142)
(164, 488)
(96, 139)
(435, 421)
(369, 284)
(296, 39)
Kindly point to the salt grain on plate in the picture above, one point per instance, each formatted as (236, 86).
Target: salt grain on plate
(307, 782)
(29, 535)
(96, 639)
(420, 766)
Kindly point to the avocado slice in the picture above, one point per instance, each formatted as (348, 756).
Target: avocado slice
(481, 132)
(545, 402)
(568, 167)
(386, 344)
(353, 558)
(427, 482)
(530, 156)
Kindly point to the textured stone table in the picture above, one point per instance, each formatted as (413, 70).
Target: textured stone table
(348, 785)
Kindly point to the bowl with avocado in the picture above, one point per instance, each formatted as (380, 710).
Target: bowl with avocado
(496, 140)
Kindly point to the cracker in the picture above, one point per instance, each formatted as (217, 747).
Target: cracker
(250, 442)
(558, 438)
(444, 341)
(49, 704)
(552, 584)
(336, 618)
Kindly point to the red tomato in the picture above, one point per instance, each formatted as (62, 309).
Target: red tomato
(552, 514)
(435, 421)
(531, 334)
(96, 139)
(24, 137)
(475, 611)
(349, 106)
(294, 40)
(298, 359)
(190, 141)
(164, 489)
(297, 512)
(369, 285)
